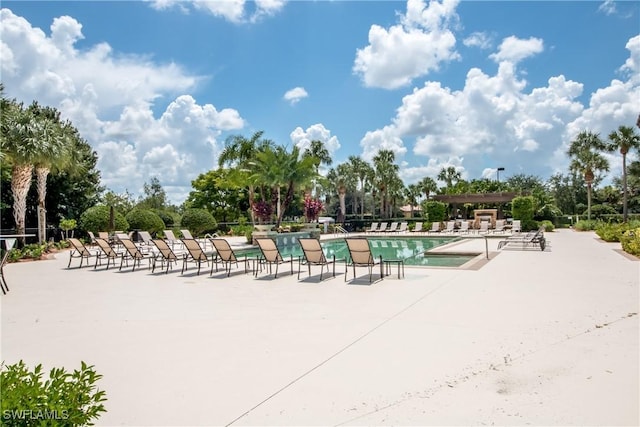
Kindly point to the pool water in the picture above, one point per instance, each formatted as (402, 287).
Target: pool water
(410, 249)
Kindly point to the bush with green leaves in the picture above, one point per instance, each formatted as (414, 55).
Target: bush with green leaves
(523, 208)
(612, 232)
(586, 225)
(630, 241)
(434, 211)
(169, 219)
(145, 220)
(96, 219)
(64, 399)
(599, 211)
(548, 225)
(198, 221)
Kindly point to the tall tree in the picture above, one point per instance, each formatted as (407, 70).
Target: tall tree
(364, 172)
(449, 176)
(427, 186)
(56, 152)
(280, 168)
(585, 152)
(623, 140)
(318, 151)
(154, 195)
(386, 172)
(239, 152)
(215, 192)
(342, 179)
(22, 145)
(412, 192)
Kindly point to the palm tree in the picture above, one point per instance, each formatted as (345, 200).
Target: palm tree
(364, 172)
(342, 179)
(587, 160)
(448, 176)
(386, 172)
(239, 152)
(623, 140)
(56, 153)
(412, 192)
(320, 154)
(427, 186)
(298, 171)
(22, 144)
(278, 168)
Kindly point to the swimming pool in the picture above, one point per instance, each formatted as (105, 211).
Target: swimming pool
(410, 249)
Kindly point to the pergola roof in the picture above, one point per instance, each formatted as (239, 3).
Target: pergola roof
(502, 197)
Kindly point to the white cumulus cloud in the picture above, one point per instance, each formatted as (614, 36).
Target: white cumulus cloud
(293, 96)
(417, 46)
(111, 97)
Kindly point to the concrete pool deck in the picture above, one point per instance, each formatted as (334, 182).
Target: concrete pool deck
(527, 338)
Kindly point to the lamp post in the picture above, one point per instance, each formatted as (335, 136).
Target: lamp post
(498, 174)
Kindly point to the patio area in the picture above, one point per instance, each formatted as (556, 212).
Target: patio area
(529, 337)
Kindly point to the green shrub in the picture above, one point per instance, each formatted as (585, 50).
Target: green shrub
(96, 219)
(529, 225)
(587, 225)
(65, 399)
(599, 211)
(240, 230)
(523, 208)
(166, 217)
(198, 221)
(548, 225)
(30, 251)
(611, 232)
(145, 220)
(434, 211)
(630, 240)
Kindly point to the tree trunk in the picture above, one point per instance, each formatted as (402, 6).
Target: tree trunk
(253, 216)
(588, 200)
(625, 215)
(41, 175)
(588, 178)
(285, 204)
(20, 183)
(343, 208)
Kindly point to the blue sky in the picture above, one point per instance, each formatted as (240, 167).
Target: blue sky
(156, 86)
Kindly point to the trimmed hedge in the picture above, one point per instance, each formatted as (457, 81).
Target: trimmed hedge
(96, 219)
(198, 221)
(145, 220)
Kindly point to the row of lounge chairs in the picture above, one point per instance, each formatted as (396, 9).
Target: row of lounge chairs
(385, 227)
(450, 227)
(360, 255)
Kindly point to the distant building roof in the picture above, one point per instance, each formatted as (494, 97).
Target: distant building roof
(407, 208)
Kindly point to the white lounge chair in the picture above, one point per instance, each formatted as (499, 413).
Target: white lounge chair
(451, 227)
(435, 227)
(393, 228)
(417, 228)
(404, 226)
(373, 228)
(383, 227)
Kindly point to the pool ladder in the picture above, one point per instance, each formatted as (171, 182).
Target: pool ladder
(338, 229)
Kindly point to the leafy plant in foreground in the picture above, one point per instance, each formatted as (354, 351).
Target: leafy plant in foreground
(69, 399)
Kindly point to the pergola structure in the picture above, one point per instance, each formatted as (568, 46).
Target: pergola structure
(477, 198)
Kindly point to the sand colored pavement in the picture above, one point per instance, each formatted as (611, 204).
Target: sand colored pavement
(526, 338)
